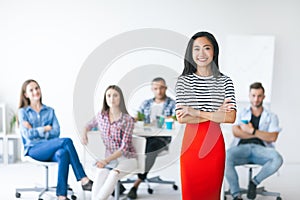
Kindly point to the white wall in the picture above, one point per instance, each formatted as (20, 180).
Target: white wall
(50, 40)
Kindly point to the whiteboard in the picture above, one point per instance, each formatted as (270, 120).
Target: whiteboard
(248, 59)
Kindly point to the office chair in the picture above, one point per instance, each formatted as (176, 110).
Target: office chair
(96, 149)
(259, 190)
(156, 179)
(46, 188)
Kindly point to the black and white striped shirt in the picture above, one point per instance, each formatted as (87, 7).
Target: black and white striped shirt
(204, 93)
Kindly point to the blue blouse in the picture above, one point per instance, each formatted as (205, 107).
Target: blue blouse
(37, 120)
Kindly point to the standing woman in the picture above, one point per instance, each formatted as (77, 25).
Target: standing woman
(116, 127)
(40, 135)
(204, 99)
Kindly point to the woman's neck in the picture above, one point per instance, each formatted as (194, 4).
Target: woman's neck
(36, 105)
(114, 114)
(204, 71)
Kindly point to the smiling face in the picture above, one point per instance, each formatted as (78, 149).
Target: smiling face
(203, 52)
(112, 98)
(33, 92)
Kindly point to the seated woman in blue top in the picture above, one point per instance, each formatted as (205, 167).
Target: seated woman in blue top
(40, 135)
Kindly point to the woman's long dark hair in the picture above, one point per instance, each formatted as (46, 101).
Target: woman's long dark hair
(24, 101)
(105, 107)
(190, 66)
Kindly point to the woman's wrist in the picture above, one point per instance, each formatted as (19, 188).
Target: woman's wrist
(105, 162)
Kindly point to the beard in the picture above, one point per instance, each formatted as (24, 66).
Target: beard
(259, 105)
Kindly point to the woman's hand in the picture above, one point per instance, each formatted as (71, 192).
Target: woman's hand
(84, 139)
(26, 124)
(225, 113)
(47, 128)
(183, 111)
(226, 106)
(101, 163)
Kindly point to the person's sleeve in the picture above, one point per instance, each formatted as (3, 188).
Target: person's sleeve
(180, 92)
(128, 126)
(238, 119)
(93, 123)
(173, 106)
(142, 106)
(55, 131)
(229, 92)
(274, 124)
(32, 133)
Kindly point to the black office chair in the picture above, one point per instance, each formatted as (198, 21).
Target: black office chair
(155, 179)
(260, 190)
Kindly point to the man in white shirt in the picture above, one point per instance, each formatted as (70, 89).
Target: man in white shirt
(255, 132)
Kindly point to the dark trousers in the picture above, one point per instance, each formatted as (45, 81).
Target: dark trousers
(154, 146)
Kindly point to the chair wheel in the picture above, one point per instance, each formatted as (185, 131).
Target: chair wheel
(40, 199)
(73, 197)
(278, 198)
(175, 187)
(18, 195)
(150, 191)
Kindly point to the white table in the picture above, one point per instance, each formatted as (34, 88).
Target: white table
(151, 131)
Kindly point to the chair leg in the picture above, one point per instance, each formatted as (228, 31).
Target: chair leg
(43, 190)
(158, 180)
(260, 190)
(117, 191)
(155, 179)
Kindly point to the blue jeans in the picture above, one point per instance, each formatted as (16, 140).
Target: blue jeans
(59, 150)
(268, 157)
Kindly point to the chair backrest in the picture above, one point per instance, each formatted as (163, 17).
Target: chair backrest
(96, 148)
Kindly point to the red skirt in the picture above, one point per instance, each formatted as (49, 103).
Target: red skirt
(202, 161)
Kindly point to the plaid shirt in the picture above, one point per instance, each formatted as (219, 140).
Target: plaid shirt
(117, 135)
(168, 108)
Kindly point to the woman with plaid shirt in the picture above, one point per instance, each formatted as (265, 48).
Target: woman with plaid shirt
(116, 127)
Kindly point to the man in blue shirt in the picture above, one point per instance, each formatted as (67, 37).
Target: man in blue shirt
(255, 132)
(160, 105)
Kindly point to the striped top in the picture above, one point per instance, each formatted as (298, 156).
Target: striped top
(204, 93)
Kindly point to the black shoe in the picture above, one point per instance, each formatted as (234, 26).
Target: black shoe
(66, 198)
(251, 190)
(122, 190)
(88, 186)
(237, 198)
(132, 193)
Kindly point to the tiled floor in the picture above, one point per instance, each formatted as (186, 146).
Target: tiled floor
(26, 175)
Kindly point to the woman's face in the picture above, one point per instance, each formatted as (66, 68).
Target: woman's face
(112, 98)
(203, 52)
(33, 92)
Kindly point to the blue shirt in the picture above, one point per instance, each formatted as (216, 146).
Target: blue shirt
(268, 122)
(45, 117)
(168, 108)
